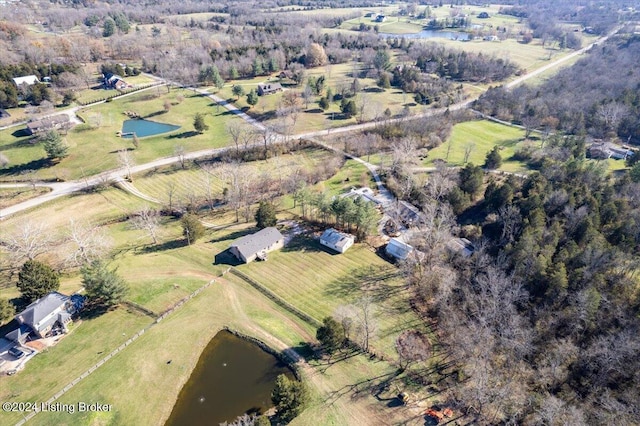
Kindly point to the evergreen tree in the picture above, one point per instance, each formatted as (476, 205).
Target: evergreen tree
(53, 145)
(323, 104)
(330, 335)
(104, 287)
(348, 108)
(493, 159)
(199, 124)
(266, 215)
(7, 311)
(237, 91)
(471, 178)
(252, 97)
(109, 27)
(192, 228)
(290, 398)
(36, 279)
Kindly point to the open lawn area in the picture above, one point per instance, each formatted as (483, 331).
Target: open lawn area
(317, 281)
(94, 146)
(480, 136)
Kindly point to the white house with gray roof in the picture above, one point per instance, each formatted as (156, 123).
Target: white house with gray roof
(257, 245)
(398, 249)
(338, 241)
(53, 309)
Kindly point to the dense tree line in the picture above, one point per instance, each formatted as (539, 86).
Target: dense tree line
(460, 65)
(599, 95)
(542, 318)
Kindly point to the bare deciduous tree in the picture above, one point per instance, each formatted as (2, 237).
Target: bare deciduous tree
(147, 220)
(27, 241)
(88, 243)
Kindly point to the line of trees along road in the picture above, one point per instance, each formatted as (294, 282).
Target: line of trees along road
(598, 96)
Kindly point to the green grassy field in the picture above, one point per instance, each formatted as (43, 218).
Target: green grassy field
(482, 136)
(317, 282)
(93, 147)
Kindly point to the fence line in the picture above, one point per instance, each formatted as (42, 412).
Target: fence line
(77, 380)
(277, 299)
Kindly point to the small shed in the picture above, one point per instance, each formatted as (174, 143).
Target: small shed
(335, 240)
(398, 249)
(461, 246)
(269, 88)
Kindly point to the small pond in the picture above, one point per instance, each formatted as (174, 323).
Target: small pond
(143, 128)
(233, 376)
(451, 35)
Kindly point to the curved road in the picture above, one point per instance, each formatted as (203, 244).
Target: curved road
(61, 189)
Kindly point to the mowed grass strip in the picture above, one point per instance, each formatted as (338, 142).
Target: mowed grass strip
(481, 136)
(317, 281)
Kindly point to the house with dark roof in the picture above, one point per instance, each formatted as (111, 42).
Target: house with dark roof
(257, 245)
(51, 311)
(60, 121)
(398, 249)
(604, 150)
(114, 81)
(269, 88)
(335, 240)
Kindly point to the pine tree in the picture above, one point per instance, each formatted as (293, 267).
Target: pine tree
(192, 229)
(36, 279)
(290, 398)
(199, 124)
(54, 146)
(266, 215)
(104, 287)
(252, 97)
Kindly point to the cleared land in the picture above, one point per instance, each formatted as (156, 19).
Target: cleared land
(94, 146)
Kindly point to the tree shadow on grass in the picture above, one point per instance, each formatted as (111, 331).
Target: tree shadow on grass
(168, 245)
(30, 166)
(155, 114)
(304, 243)
(314, 111)
(374, 280)
(20, 143)
(183, 135)
(374, 90)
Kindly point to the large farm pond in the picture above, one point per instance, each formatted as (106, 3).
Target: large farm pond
(142, 128)
(233, 376)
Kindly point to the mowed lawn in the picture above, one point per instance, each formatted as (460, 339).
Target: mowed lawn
(94, 146)
(317, 281)
(481, 136)
(48, 372)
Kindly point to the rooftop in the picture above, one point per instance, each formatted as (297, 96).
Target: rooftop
(254, 243)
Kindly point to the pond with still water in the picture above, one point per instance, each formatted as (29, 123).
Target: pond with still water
(142, 128)
(233, 376)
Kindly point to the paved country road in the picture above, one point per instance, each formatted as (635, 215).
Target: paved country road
(61, 189)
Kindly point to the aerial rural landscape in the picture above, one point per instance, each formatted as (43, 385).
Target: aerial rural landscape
(319, 213)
